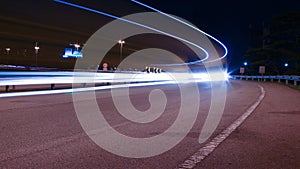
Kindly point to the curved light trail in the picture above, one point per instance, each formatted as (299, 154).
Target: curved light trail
(189, 25)
(141, 25)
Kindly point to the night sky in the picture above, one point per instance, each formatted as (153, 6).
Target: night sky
(55, 25)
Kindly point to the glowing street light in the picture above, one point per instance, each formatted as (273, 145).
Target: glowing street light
(36, 48)
(7, 50)
(245, 63)
(121, 42)
(77, 46)
(286, 65)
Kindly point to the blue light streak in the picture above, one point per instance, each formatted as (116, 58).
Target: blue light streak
(141, 25)
(79, 90)
(187, 24)
(86, 77)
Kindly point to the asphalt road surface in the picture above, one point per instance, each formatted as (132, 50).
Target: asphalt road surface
(269, 138)
(44, 132)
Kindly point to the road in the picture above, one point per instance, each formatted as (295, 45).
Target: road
(44, 132)
(270, 137)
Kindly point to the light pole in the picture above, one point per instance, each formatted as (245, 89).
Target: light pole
(77, 46)
(121, 42)
(36, 48)
(7, 50)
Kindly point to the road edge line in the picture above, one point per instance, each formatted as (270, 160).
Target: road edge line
(209, 147)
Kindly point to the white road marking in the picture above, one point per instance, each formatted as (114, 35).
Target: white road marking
(203, 152)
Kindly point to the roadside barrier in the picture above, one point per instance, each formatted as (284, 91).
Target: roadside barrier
(295, 80)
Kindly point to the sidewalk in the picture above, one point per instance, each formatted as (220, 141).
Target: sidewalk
(269, 138)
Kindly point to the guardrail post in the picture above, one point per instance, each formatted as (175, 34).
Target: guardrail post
(6, 88)
(272, 80)
(295, 82)
(286, 81)
(278, 80)
(52, 86)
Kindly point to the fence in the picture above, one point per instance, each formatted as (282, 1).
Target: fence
(295, 80)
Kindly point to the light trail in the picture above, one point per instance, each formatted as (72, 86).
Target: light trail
(41, 78)
(78, 90)
(189, 25)
(127, 80)
(38, 78)
(141, 25)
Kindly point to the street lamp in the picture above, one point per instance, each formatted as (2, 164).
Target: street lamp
(121, 42)
(245, 63)
(36, 48)
(77, 46)
(286, 65)
(7, 50)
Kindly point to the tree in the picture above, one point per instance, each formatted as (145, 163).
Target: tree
(281, 45)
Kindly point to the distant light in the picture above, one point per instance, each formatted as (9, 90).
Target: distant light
(245, 63)
(7, 50)
(36, 47)
(77, 46)
(286, 64)
(121, 42)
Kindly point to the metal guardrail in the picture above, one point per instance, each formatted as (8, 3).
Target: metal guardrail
(279, 78)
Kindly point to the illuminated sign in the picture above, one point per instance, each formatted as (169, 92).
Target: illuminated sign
(262, 70)
(73, 51)
(105, 66)
(242, 70)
